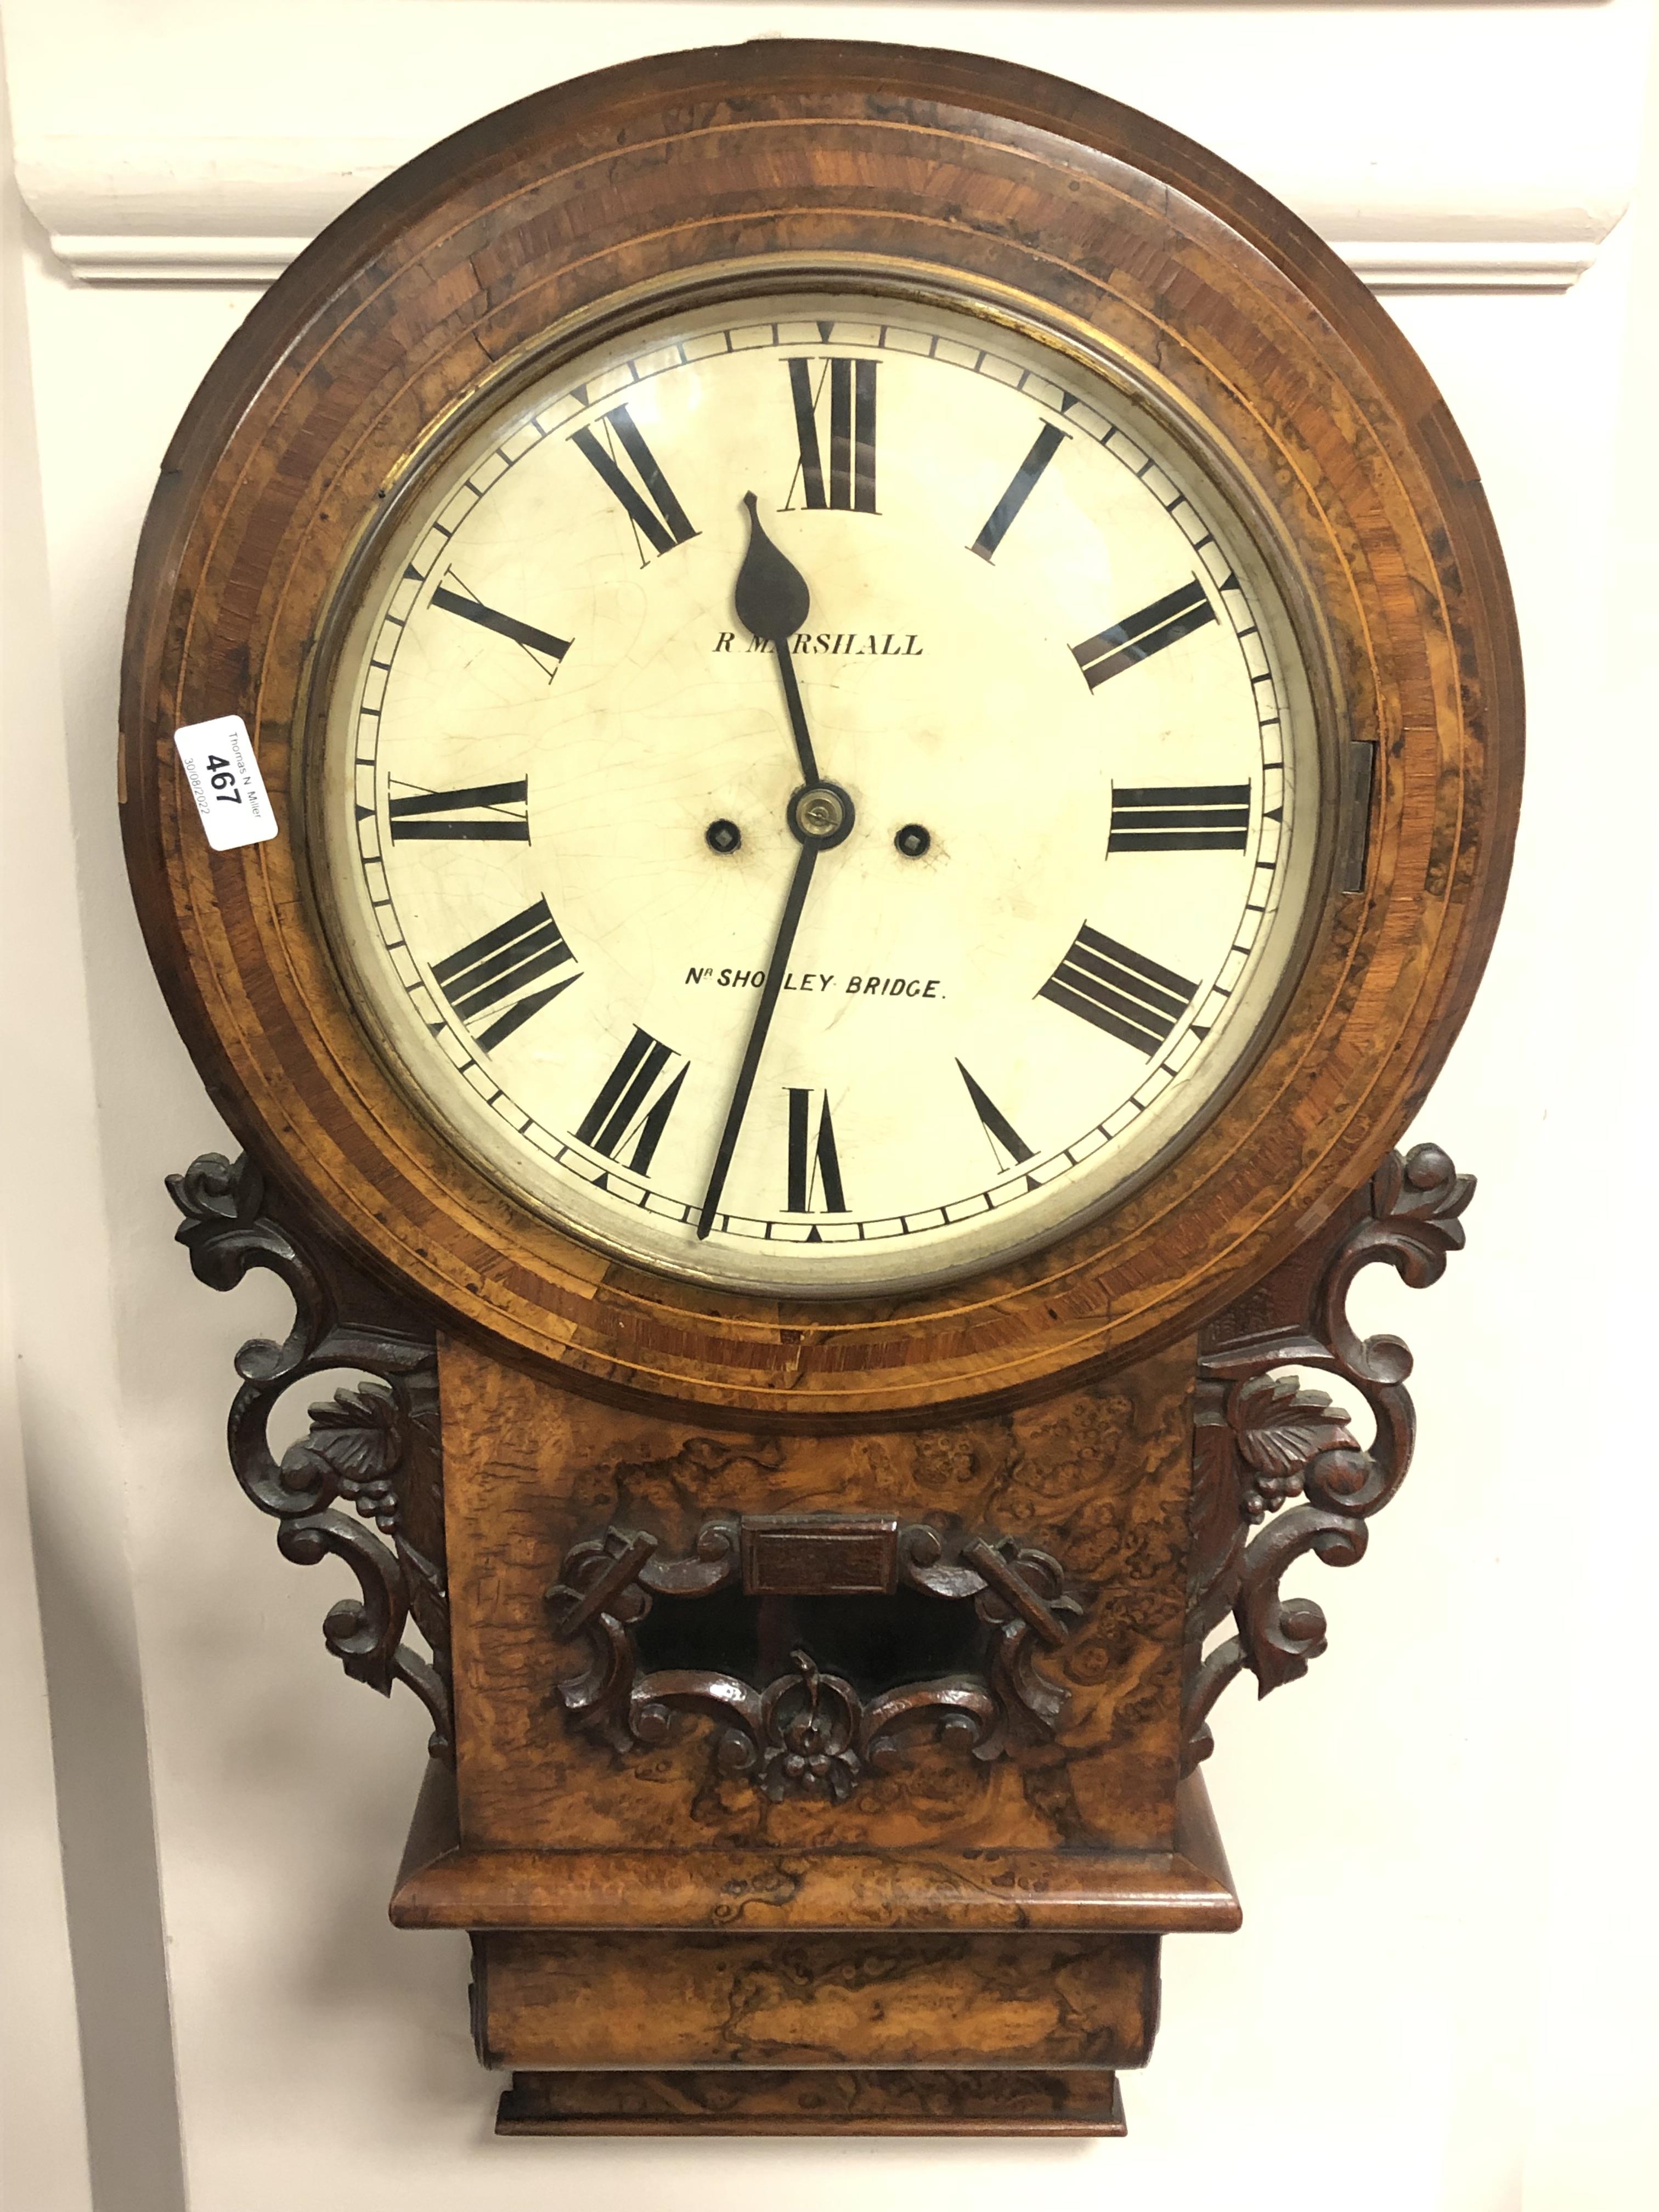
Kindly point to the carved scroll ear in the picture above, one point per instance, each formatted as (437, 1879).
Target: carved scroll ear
(376, 1446)
(226, 1230)
(1261, 1439)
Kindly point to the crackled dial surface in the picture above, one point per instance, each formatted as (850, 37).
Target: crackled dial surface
(819, 796)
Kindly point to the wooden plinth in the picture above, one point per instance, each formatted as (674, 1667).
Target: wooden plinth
(1185, 1890)
(792, 2006)
(588, 2001)
(815, 2101)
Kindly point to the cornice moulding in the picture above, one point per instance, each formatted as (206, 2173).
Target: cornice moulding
(236, 210)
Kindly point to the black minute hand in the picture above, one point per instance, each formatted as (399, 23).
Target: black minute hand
(776, 967)
(773, 602)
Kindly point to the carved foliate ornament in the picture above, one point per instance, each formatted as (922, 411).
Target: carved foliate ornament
(378, 1447)
(1262, 1441)
(807, 1729)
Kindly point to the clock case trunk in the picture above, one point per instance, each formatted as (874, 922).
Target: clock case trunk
(840, 1783)
(941, 1919)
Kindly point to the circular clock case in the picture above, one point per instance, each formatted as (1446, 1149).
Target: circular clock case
(1202, 742)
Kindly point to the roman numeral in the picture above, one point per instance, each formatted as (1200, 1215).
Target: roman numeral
(1049, 443)
(814, 1163)
(1181, 817)
(1138, 637)
(485, 813)
(635, 1102)
(496, 970)
(852, 387)
(540, 644)
(650, 505)
(1121, 992)
(1009, 1147)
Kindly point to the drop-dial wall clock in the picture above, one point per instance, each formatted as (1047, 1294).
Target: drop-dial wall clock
(889, 732)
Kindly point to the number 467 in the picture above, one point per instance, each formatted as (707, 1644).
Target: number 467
(223, 777)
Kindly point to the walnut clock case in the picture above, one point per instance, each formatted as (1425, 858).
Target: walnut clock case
(894, 731)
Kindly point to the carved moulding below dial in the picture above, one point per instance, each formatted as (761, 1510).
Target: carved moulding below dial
(807, 1729)
(1261, 1440)
(377, 1446)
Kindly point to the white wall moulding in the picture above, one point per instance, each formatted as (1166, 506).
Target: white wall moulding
(209, 211)
(236, 211)
(1470, 265)
(1438, 148)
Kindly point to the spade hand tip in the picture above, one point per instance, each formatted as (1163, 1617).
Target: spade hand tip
(771, 598)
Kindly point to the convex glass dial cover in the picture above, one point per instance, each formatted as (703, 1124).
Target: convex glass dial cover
(819, 795)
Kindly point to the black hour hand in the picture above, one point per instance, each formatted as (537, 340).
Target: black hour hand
(772, 599)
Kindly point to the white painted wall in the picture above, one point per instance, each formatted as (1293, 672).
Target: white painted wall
(1442, 1999)
(1432, 144)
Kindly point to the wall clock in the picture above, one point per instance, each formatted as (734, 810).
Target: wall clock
(891, 729)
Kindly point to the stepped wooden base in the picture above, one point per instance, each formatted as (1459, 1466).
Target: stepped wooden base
(443, 1883)
(845, 1993)
(815, 2102)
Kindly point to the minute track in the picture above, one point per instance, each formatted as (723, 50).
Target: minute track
(1035, 1171)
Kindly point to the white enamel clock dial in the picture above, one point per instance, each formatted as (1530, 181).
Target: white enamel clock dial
(1050, 759)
